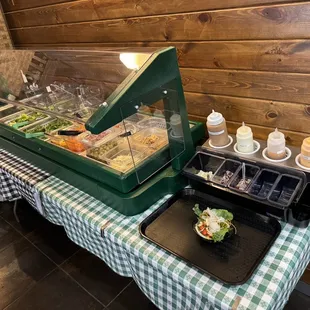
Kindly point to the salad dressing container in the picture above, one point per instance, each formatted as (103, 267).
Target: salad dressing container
(276, 145)
(305, 153)
(217, 129)
(245, 142)
(176, 125)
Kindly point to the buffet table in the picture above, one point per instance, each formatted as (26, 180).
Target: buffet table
(168, 281)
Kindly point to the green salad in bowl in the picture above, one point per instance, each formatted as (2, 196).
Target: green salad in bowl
(214, 225)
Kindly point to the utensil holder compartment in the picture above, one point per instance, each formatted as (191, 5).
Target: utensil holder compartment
(299, 214)
(263, 184)
(202, 163)
(240, 184)
(285, 190)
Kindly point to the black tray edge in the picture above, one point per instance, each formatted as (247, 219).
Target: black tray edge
(172, 199)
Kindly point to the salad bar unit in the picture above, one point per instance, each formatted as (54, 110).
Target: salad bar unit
(114, 124)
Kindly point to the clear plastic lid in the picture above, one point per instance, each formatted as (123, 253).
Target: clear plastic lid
(276, 142)
(306, 144)
(72, 83)
(244, 132)
(215, 118)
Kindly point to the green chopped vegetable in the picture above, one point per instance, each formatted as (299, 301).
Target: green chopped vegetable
(220, 235)
(47, 128)
(30, 118)
(197, 210)
(224, 214)
(99, 152)
(213, 224)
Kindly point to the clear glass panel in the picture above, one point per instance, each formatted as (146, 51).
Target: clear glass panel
(70, 84)
(154, 138)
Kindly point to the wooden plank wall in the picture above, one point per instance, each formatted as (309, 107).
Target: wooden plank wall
(249, 59)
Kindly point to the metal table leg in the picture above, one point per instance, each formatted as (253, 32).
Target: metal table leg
(15, 211)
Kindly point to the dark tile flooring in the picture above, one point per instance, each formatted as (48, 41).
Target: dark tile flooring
(40, 268)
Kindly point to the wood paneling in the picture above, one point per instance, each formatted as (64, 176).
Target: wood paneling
(271, 55)
(259, 112)
(85, 10)
(249, 59)
(109, 72)
(290, 21)
(262, 85)
(14, 5)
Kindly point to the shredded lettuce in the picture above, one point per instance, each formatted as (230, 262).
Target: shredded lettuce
(225, 225)
(197, 211)
(219, 235)
(226, 215)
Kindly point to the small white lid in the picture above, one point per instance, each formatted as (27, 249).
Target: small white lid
(276, 137)
(215, 118)
(175, 119)
(244, 131)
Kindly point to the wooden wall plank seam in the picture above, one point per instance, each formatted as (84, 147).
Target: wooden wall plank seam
(14, 5)
(270, 55)
(92, 10)
(295, 117)
(287, 20)
(289, 87)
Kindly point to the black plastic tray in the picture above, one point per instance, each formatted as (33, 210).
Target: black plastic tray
(232, 261)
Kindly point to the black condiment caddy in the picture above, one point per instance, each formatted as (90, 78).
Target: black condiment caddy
(280, 190)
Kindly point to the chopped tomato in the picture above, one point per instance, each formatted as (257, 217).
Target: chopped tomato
(204, 232)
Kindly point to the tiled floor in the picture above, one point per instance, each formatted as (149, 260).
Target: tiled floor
(40, 268)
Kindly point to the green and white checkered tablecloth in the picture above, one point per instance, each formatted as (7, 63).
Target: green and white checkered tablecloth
(268, 288)
(168, 281)
(18, 179)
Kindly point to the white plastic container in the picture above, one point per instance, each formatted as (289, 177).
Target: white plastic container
(245, 142)
(217, 129)
(176, 125)
(276, 145)
(305, 153)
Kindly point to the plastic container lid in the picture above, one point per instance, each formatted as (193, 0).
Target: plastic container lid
(306, 144)
(276, 137)
(215, 118)
(244, 132)
(175, 119)
(276, 143)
